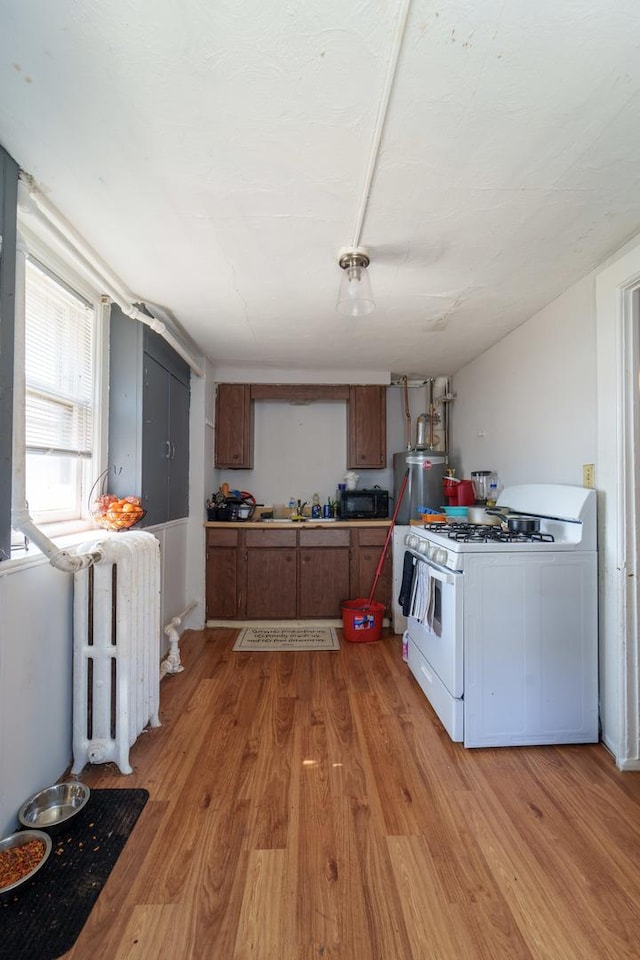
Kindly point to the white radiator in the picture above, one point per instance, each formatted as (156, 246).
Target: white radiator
(116, 648)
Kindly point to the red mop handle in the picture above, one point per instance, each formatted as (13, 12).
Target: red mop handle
(389, 534)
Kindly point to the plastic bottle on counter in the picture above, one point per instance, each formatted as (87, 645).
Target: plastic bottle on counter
(494, 493)
(316, 509)
(293, 508)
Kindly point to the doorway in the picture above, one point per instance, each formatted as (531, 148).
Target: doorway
(618, 431)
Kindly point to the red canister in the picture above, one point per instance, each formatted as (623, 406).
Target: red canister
(465, 494)
(450, 490)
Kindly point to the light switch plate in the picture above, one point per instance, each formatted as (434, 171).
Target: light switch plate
(589, 476)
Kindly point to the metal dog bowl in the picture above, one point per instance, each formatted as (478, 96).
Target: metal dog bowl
(54, 806)
(19, 839)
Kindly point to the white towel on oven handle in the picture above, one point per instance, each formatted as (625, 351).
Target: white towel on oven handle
(422, 593)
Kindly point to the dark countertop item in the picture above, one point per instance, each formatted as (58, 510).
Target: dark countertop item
(287, 524)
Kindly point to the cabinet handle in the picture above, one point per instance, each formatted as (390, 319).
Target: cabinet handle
(168, 453)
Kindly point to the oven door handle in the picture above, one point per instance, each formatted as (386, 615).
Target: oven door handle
(438, 574)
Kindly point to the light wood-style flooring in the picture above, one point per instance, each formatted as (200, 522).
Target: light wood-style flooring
(309, 806)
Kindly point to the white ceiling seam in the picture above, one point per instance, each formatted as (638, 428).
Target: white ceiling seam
(381, 119)
(92, 265)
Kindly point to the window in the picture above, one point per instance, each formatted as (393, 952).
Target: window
(60, 350)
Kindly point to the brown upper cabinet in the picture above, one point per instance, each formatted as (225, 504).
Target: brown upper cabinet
(367, 428)
(234, 426)
(366, 420)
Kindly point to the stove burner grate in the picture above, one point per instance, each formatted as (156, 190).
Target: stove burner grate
(444, 527)
(487, 533)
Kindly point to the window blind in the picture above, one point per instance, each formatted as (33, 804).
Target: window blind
(59, 326)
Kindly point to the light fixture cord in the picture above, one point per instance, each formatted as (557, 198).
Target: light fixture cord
(381, 119)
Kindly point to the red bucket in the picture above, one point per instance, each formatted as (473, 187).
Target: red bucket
(361, 620)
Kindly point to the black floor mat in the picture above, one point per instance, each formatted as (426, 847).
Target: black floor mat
(42, 919)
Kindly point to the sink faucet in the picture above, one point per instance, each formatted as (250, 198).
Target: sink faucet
(301, 507)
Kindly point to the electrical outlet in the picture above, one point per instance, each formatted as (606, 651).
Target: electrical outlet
(589, 475)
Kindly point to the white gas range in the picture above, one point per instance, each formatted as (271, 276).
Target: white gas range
(502, 628)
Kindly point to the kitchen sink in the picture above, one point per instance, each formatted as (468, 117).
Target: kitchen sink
(305, 520)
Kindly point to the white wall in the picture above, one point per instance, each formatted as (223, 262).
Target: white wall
(542, 398)
(527, 407)
(618, 512)
(200, 466)
(35, 681)
(298, 451)
(36, 637)
(302, 449)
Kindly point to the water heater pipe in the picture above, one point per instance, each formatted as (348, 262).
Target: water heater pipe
(32, 201)
(407, 413)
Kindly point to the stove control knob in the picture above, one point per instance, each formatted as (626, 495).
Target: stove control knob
(440, 556)
(423, 547)
(411, 540)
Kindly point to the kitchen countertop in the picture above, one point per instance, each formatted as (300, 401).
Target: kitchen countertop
(287, 524)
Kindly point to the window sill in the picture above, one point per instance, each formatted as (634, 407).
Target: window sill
(62, 534)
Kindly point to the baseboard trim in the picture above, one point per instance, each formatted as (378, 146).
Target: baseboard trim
(240, 624)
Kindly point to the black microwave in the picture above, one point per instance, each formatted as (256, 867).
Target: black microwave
(364, 504)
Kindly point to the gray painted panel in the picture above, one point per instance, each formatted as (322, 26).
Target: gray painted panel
(8, 209)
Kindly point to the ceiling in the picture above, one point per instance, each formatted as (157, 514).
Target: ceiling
(215, 155)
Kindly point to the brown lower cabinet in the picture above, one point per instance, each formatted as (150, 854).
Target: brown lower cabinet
(301, 573)
(224, 597)
(270, 574)
(324, 572)
(367, 544)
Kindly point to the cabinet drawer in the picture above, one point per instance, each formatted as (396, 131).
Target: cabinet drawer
(324, 538)
(372, 536)
(222, 538)
(270, 538)
(449, 709)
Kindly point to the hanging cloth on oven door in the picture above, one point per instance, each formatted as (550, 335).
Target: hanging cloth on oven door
(423, 605)
(406, 587)
(421, 593)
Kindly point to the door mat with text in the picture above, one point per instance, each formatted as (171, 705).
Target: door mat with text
(287, 638)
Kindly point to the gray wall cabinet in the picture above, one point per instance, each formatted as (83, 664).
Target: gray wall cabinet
(148, 420)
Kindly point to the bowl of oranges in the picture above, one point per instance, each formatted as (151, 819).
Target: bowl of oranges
(117, 513)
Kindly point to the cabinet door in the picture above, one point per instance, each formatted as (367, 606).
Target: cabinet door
(126, 377)
(156, 446)
(222, 575)
(324, 572)
(234, 426)
(178, 488)
(271, 574)
(271, 584)
(148, 420)
(367, 428)
(366, 549)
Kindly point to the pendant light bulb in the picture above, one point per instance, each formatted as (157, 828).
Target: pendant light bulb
(355, 297)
